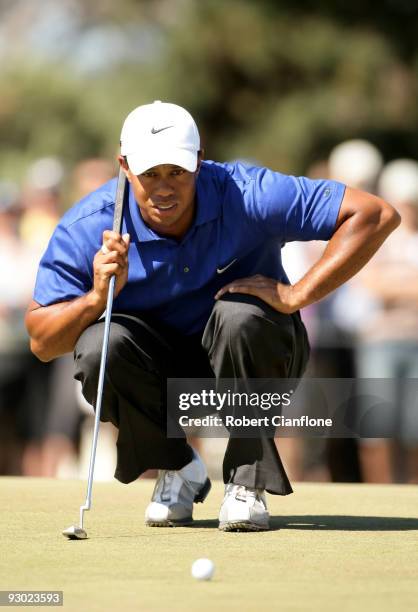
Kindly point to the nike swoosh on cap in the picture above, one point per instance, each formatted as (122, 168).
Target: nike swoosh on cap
(220, 270)
(154, 131)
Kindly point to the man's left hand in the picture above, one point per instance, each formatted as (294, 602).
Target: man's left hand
(279, 296)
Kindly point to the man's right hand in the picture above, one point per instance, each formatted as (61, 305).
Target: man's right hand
(55, 329)
(112, 259)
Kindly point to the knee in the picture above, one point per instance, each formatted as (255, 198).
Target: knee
(248, 321)
(240, 319)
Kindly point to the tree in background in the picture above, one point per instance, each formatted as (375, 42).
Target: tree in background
(280, 82)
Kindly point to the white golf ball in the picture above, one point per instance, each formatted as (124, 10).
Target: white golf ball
(203, 569)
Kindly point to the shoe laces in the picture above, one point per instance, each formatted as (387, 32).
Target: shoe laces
(162, 485)
(243, 493)
(166, 477)
(167, 481)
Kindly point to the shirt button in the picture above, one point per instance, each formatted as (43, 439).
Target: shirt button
(186, 269)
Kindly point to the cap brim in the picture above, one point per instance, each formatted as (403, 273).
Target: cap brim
(140, 162)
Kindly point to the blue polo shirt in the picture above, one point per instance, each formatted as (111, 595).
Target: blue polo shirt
(244, 216)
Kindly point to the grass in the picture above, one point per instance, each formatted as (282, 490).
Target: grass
(331, 547)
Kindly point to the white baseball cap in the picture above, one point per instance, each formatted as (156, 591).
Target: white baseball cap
(160, 133)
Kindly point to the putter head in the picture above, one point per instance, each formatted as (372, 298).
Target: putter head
(75, 533)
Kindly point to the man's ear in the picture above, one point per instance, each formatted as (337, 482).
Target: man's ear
(124, 164)
(200, 156)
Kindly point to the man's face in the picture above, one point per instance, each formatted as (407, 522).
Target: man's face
(166, 198)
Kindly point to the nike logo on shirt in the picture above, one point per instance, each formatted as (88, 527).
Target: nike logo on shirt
(221, 270)
(154, 131)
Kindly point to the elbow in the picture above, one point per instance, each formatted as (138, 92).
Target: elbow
(37, 345)
(39, 351)
(390, 219)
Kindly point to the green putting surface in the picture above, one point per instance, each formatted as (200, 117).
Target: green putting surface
(331, 547)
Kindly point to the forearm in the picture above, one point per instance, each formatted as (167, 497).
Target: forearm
(55, 329)
(350, 248)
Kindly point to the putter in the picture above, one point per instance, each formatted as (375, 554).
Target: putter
(77, 532)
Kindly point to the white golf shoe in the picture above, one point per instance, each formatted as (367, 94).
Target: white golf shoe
(175, 493)
(243, 509)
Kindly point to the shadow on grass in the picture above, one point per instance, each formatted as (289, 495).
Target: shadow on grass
(325, 522)
(310, 522)
(204, 524)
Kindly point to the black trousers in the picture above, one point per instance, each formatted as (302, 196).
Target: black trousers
(243, 338)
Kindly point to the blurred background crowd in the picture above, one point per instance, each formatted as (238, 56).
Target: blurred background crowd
(321, 89)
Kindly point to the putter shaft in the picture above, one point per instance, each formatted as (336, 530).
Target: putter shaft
(78, 532)
(108, 315)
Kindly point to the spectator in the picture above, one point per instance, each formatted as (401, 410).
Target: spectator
(21, 377)
(358, 164)
(388, 336)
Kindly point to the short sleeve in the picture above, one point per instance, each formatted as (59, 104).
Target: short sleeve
(64, 273)
(297, 208)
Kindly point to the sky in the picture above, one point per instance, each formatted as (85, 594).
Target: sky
(45, 30)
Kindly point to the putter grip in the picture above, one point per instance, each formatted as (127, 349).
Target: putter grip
(120, 194)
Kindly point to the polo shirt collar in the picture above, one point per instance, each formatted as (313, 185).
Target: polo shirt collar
(207, 197)
(207, 201)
